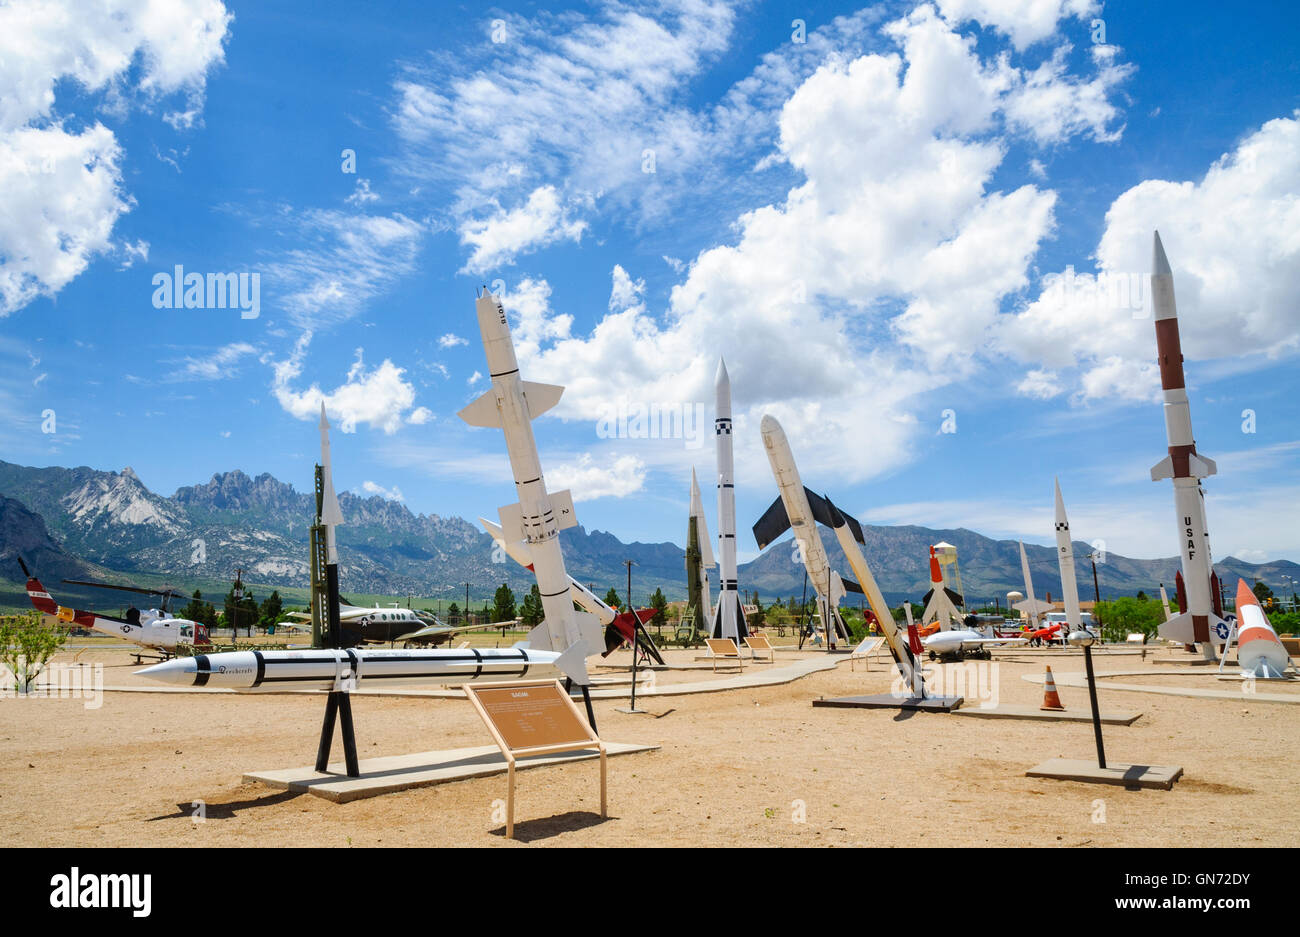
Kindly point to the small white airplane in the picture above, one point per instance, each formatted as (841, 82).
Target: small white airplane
(361, 625)
(960, 643)
(154, 629)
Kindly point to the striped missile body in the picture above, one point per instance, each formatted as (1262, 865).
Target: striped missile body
(332, 669)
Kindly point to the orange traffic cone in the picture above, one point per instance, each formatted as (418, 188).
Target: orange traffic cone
(1051, 699)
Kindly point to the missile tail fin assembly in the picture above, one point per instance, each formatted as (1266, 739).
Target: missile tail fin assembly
(728, 618)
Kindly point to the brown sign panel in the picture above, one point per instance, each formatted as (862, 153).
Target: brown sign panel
(533, 716)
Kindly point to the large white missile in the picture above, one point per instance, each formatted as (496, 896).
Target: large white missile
(793, 510)
(1030, 607)
(511, 404)
(699, 555)
(346, 669)
(728, 619)
(1065, 558)
(519, 552)
(1185, 466)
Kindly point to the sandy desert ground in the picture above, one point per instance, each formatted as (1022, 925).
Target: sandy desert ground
(753, 767)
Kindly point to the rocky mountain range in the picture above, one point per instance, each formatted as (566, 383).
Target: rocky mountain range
(85, 523)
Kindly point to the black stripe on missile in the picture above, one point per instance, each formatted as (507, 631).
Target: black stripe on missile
(551, 595)
(496, 374)
(261, 668)
(203, 670)
(355, 663)
(723, 419)
(727, 485)
(479, 657)
(530, 481)
(727, 536)
(524, 672)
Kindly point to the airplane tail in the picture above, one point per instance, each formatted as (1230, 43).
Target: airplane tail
(41, 600)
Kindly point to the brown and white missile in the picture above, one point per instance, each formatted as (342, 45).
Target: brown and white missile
(1186, 467)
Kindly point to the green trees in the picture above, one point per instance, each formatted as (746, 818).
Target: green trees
(503, 608)
(453, 614)
(531, 609)
(659, 603)
(26, 645)
(197, 610)
(1128, 615)
(241, 614)
(613, 600)
(271, 610)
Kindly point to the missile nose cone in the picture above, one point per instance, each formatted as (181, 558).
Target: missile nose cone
(1159, 262)
(1060, 503)
(769, 426)
(176, 670)
(722, 379)
(324, 423)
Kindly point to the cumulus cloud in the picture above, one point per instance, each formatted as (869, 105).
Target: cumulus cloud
(218, 365)
(1236, 273)
(541, 220)
(419, 416)
(1024, 21)
(589, 480)
(63, 188)
(377, 396)
(451, 340)
(388, 494)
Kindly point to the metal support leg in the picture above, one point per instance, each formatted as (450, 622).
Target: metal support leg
(327, 732)
(349, 739)
(338, 704)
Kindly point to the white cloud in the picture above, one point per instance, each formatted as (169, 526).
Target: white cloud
(220, 364)
(541, 220)
(63, 189)
(388, 494)
(1040, 384)
(1236, 273)
(1024, 21)
(378, 396)
(1053, 105)
(451, 341)
(361, 194)
(474, 378)
(625, 475)
(349, 260)
(419, 416)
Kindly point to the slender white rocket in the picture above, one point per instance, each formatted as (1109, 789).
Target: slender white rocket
(511, 404)
(706, 561)
(728, 622)
(330, 514)
(1186, 467)
(1065, 558)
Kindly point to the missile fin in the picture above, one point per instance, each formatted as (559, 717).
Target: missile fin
(591, 631)
(706, 548)
(851, 586)
(1201, 466)
(1163, 469)
(512, 521)
(772, 524)
(485, 411)
(573, 664)
(562, 509)
(540, 397)
(822, 509)
(539, 639)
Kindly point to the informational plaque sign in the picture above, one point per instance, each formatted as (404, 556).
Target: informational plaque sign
(533, 718)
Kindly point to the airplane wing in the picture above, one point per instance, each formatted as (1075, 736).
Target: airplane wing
(437, 631)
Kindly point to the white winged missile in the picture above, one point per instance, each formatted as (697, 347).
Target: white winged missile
(519, 552)
(1185, 466)
(728, 620)
(330, 515)
(347, 668)
(940, 602)
(793, 509)
(1031, 607)
(511, 404)
(1065, 558)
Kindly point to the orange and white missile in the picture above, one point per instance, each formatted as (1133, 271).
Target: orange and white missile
(1259, 652)
(940, 602)
(1185, 467)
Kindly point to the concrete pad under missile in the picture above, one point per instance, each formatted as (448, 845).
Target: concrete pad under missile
(405, 772)
(1131, 776)
(936, 704)
(1047, 715)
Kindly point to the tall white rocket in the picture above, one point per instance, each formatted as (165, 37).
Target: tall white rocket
(512, 404)
(728, 621)
(1065, 557)
(330, 513)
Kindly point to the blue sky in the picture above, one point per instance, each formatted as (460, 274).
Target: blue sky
(872, 225)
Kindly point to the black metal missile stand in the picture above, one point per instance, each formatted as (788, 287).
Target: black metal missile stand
(338, 702)
(1096, 714)
(586, 699)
